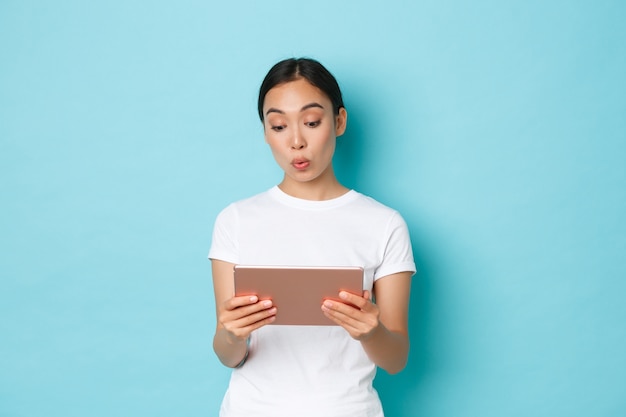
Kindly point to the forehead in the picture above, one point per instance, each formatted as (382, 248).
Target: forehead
(293, 95)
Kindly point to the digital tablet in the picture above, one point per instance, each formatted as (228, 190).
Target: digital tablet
(298, 292)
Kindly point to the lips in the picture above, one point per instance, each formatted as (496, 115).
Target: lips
(300, 163)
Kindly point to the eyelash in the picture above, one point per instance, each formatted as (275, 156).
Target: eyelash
(311, 125)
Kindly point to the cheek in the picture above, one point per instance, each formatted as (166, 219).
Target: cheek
(275, 147)
(331, 147)
(329, 139)
(270, 138)
(268, 133)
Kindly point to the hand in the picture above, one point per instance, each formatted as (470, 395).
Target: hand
(358, 315)
(240, 316)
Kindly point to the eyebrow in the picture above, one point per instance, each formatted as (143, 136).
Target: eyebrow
(305, 107)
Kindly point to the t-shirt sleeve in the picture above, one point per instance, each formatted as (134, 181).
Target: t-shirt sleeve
(398, 256)
(224, 245)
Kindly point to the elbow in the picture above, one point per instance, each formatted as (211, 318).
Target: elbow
(396, 363)
(395, 368)
(394, 371)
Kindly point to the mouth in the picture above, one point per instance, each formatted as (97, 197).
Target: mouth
(300, 163)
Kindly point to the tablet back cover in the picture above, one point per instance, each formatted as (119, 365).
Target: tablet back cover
(298, 292)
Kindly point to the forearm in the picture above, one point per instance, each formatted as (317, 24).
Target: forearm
(230, 353)
(387, 349)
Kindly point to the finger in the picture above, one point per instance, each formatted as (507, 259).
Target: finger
(358, 329)
(361, 302)
(244, 332)
(346, 315)
(244, 325)
(236, 302)
(246, 310)
(352, 326)
(240, 317)
(257, 325)
(251, 319)
(341, 311)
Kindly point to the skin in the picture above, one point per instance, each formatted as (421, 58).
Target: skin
(301, 131)
(300, 125)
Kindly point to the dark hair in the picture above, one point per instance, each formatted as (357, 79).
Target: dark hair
(295, 68)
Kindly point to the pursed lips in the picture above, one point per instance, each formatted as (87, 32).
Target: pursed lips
(300, 163)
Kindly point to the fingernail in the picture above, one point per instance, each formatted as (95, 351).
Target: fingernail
(253, 299)
(328, 303)
(267, 303)
(343, 295)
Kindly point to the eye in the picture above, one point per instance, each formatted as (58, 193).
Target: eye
(278, 128)
(313, 124)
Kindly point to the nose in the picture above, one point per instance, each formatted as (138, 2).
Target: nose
(297, 140)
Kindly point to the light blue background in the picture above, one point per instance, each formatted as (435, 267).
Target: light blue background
(498, 129)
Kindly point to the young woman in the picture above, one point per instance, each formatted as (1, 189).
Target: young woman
(309, 219)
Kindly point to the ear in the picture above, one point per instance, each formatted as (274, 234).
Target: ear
(341, 121)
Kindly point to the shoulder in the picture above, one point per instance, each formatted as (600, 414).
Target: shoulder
(368, 205)
(231, 215)
(256, 200)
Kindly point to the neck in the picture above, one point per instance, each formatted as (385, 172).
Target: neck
(322, 188)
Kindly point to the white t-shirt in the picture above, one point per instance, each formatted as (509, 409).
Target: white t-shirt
(309, 370)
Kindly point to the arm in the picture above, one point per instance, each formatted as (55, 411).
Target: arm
(382, 328)
(237, 317)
